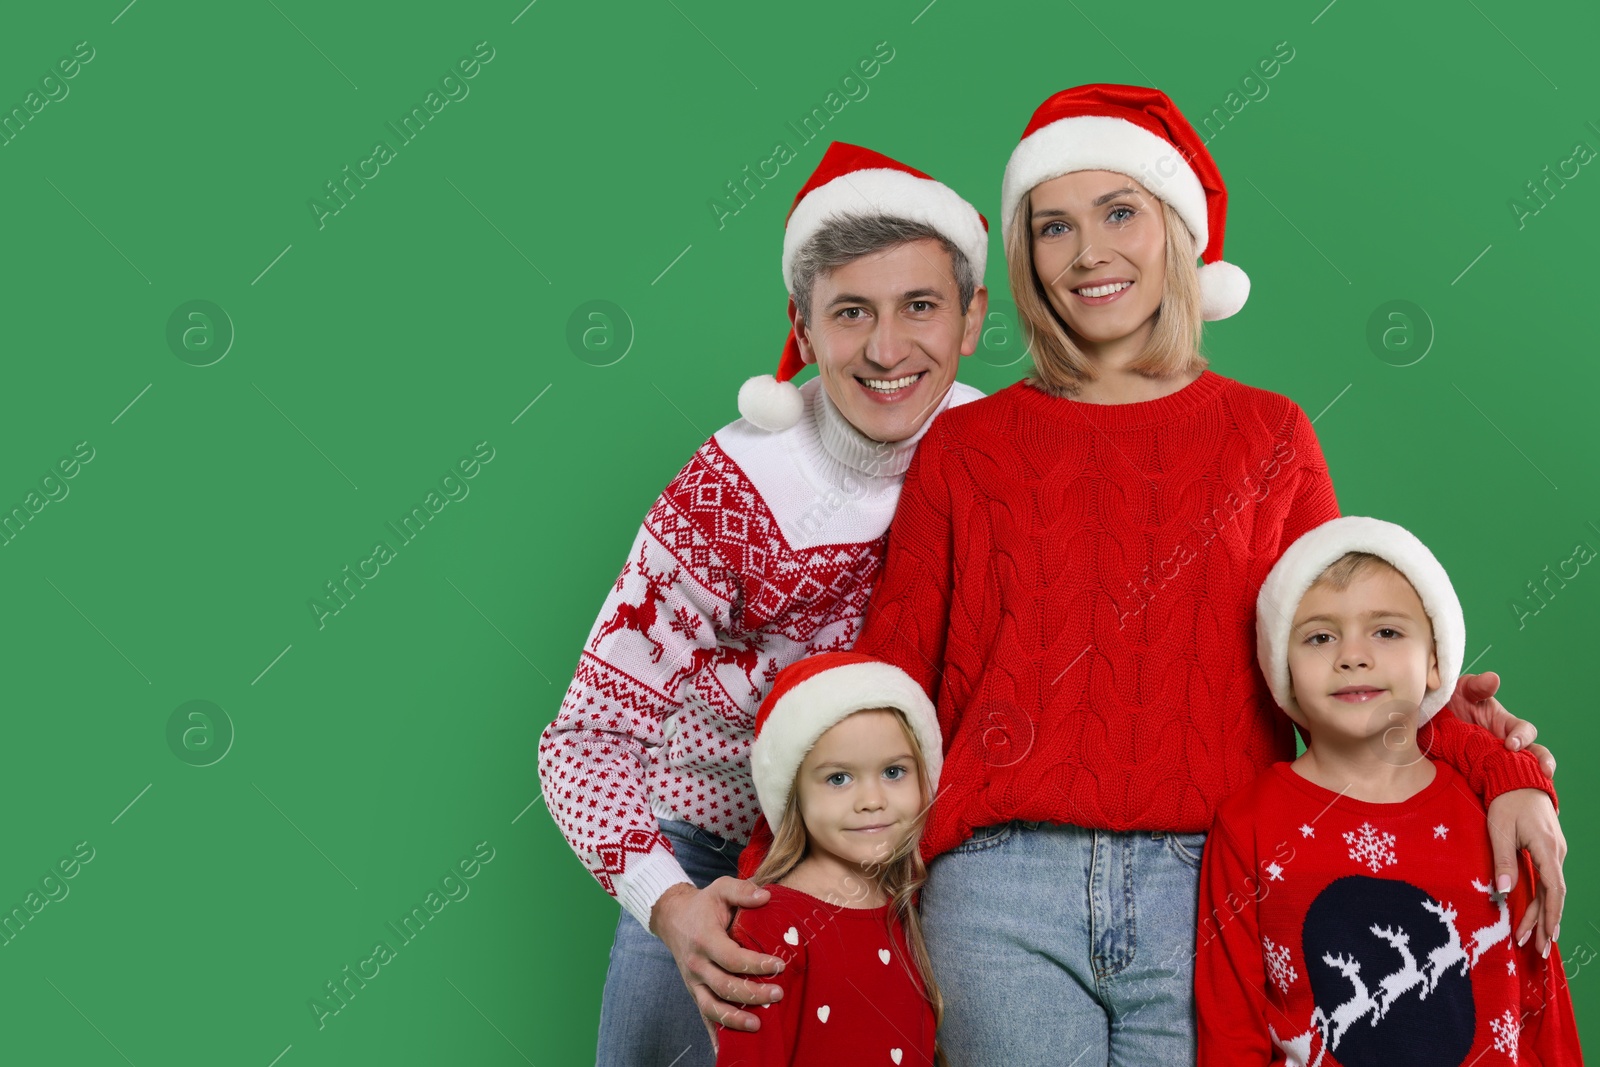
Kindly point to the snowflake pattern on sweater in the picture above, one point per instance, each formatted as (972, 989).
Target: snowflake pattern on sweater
(761, 551)
(1379, 944)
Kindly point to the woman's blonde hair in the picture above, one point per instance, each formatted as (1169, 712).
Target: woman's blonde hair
(899, 875)
(1059, 366)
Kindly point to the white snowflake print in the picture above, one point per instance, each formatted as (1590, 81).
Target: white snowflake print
(1441, 831)
(1505, 1033)
(1511, 966)
(1370, 847)
(1306, 830)
(1274, 872)
(1278, 968)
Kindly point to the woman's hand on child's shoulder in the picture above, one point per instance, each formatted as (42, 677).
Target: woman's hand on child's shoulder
(1474, 701)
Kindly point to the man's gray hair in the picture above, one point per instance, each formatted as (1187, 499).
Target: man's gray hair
(844, 238)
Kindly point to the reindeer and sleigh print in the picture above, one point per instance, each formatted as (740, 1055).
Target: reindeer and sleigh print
(1340, 933)
(1388, 963)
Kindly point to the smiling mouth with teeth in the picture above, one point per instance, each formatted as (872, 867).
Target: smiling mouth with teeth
(890, 385)
(1103, 290)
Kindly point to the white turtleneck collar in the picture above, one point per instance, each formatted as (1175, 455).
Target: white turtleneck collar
(855, 449)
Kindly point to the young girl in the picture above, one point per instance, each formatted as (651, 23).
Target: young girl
(846, 761)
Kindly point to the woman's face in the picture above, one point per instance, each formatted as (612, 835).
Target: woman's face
(1098, 230)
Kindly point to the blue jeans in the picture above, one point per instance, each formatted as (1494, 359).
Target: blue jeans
(647, 1017)
(1064, 945)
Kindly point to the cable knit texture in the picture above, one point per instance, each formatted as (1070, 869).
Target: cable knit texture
(762, 550)
(1074, 585)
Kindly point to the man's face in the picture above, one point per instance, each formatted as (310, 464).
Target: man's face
(1360, 656)
(886, 333)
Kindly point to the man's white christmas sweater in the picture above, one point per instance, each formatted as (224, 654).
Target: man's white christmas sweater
(763, 550)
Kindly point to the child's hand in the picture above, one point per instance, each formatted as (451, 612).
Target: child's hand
(693, 924)
(1525, 818)
(1474, 701)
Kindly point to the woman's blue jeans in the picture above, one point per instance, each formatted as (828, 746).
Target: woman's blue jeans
(1056, 944)
(647, 1017)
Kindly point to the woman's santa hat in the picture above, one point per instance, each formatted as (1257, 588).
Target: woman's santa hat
(1137, 131)
(1305, 560)
(852, 180)
(813, 694)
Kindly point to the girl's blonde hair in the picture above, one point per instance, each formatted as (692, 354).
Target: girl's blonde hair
(1059, 366)
(899, 875)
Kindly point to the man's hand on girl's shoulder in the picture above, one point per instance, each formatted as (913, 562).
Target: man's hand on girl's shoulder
(693, 924)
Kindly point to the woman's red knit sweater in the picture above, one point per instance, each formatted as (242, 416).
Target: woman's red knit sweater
(1074, 584)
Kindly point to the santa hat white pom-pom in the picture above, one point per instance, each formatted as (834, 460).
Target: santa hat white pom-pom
(1223, 290)
(770, 404)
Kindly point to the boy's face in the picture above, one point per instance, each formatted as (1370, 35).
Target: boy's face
(1361, 659)
(892, 317)
(858, 789)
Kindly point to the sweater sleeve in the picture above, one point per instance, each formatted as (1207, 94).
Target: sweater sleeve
(1313, 502)
(761, 930)
(1482, 758)
(907, 618)
(1549, 1031)
(593, 757)
(1230, 978)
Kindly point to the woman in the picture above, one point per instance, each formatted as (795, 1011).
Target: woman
(1072, 573)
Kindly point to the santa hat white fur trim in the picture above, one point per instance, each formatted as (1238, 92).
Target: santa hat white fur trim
(770, 404)
(809, 709)
(1100, 142)
(1300, 565)
(881, 191)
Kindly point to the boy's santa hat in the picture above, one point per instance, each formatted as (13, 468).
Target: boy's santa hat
(1305, 560)
(813, 694)
(852, 180)
(1137, 131)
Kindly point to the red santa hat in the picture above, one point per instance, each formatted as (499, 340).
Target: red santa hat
(852, 180)
(1315, 550)
(1137, 131)
(811, 695)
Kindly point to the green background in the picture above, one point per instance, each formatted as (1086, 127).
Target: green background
(371, 354)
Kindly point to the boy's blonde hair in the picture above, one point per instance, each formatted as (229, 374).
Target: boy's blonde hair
(899, 875)
(1059, 366)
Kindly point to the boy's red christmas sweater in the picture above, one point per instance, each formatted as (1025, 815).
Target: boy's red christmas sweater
(1340, 933)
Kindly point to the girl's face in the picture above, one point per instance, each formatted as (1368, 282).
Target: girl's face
(1100, 231)
(859, 791)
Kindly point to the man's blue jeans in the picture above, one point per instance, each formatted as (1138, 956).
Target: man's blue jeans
(1056, 944)
(647, 1017)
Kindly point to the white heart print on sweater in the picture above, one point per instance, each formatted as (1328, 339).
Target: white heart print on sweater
(792, 936)
(883, 954)
(895, 1054)
(823, 1012)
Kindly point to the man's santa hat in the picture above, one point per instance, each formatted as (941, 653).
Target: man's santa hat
(812, 695)
(1318, 548)
(852, 180)
(1137, 131)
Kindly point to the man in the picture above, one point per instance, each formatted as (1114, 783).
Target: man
(763, 549)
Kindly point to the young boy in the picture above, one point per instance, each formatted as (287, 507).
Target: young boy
(1346, 915)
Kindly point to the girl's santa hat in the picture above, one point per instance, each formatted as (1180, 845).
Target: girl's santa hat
(852, 180)
(1137, 131)
(1305, 560)
(811, 695)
